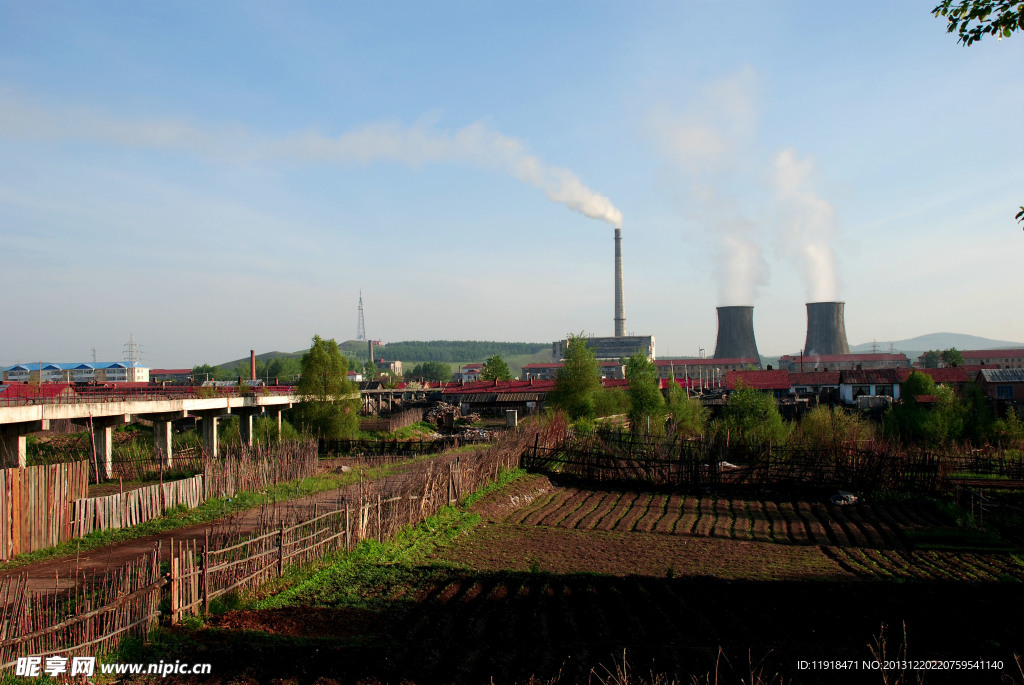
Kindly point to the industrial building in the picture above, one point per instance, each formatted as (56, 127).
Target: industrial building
(84, 372)
(736, 334)
(843, 362)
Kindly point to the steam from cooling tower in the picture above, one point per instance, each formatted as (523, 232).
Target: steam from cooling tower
(415, 145)
(807, 223)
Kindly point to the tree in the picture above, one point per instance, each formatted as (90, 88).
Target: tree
(752, 417)
(204, 372)
(689, 415)
(495, 369)
(932, 359)
(647, 406)
(329, 404)
(973, 19)
(437, 372)
(577, 380)
(952, 357)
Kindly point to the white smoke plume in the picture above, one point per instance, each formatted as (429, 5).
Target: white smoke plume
(421, 143)
(707, 143)
(807, 224)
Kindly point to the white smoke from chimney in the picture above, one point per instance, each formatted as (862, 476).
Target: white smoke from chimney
(807, 223)
(415, 145)
(708, 143)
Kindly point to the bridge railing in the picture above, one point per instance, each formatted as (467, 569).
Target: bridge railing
(64, 393)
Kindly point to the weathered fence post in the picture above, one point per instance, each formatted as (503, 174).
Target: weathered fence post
(205, 578)
(175, 581)
(348, 530)
(280, 551)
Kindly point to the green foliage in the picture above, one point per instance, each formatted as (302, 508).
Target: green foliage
(577, 380)
(264, 431)
(938, 423)
(495, 368)
(751, 417)
(974, 19)
(436, 372)
(952, 357)
(205, 372)
(931, 359)
(330, 404)
(689, 415)
(647, 406)
(830, 427)
(611, 401)
(1010, 431)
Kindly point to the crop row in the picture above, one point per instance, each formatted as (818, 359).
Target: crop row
(811, 523)
(927, 565)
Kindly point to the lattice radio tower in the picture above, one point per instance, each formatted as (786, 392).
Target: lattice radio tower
(361, 326)
(131, 351)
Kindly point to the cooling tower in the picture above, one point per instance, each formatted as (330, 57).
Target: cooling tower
(826, 331)
(736, 334)
(620, 310)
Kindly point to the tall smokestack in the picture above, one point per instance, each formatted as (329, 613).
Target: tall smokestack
(620, 309)
(826, 329)
(252, 365)
(736, 334)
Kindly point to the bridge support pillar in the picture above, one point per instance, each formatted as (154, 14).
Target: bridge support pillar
(162, 435)
(211, 445)
(13, 443)
(276, 412)
(245, 417)
(103, 438)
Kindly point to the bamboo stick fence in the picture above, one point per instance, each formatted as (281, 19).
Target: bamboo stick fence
(89, 619)
(125, 509)
(35, 505)
(393, 422)
(255, 468)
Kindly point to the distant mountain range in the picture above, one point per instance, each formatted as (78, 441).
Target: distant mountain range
(936, 341)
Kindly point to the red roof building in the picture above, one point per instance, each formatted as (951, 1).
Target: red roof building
(843, 362)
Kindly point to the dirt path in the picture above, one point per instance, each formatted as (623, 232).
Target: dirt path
(61, 572)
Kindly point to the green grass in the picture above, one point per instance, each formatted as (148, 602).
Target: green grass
(505, 476)
(375, 574)
(210, 510)
(421, 430)
(974, 475)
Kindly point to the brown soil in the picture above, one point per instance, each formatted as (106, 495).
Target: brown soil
(495, 506)
(557, 550)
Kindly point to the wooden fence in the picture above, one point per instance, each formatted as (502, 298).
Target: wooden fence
(95, 615)
(35, 505)
(255, 468)
(393, 422)
(705, 464)
(89, 619)
(396, 448)
(199, 575)
(125, 509)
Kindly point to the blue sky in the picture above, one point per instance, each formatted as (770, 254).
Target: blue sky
(216, 177)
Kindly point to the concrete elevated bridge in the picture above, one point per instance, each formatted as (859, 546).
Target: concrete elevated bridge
(103, 409)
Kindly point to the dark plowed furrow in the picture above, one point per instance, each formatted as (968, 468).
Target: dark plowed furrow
(519, 515)
(706, 521)
(552, 505)
(777, 524)
(621, 507)
(762, 525)
(890, 528)
(655, 512)
(567, 507)
(637, 511)
(812, 526)
(600, 511)
(688, 521)
(845, 562)
(795, 531)
(853, 533)
(862, 520)
(740, 529)
(723, 519)
(832, 527)
(894, 564)
(667, 523)
(586, 507)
